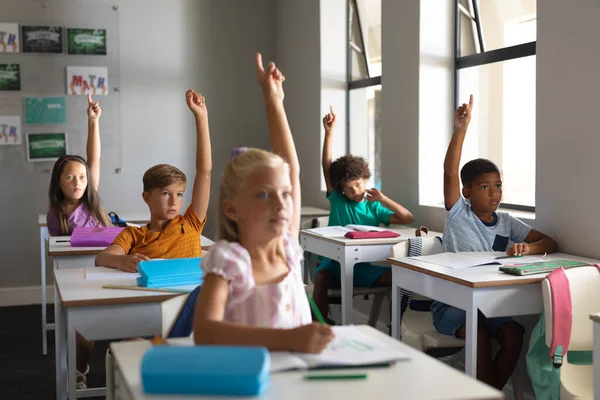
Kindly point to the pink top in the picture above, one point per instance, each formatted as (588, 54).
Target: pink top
(80, 218)
(278, 305)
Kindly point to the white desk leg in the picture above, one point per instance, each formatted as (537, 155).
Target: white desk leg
(596, 355)
(71, 359)
(348, 257)
(60, 348)
(396, 299)
(471, 340)
(43, 236)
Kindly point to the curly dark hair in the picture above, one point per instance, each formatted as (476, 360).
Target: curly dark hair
(348, 168)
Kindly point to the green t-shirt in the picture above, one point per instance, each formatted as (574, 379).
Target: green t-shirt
(344, 211)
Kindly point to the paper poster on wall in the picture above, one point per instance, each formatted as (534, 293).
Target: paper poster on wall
(84, 80)
(9, 38)
(42, 39)
(45, 110)
(10, 77)
(46, 146)
(86, 41)
(10, 130)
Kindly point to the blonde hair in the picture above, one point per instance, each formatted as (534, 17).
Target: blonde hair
(236, 173)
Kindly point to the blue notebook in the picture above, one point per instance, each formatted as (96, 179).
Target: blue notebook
(206, 370)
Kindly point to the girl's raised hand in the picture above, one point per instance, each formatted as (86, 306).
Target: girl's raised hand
(197, 103)
(270, 80)
(93, 109)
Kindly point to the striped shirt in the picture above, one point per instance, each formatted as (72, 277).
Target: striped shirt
(278, 305)
(466, 232)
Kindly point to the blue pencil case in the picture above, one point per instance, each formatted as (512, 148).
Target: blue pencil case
(172, 272)
(206, 370)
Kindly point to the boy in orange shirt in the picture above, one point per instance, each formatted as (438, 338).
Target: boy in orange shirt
(169, 234)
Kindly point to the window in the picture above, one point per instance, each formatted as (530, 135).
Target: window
(364, 83)
(495, 61)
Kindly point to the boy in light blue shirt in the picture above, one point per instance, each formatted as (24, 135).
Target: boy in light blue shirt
(352, 203)
(479, 227)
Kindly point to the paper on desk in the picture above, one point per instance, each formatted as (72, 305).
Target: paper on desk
(108, 273)
(330, 231)
(456, 260)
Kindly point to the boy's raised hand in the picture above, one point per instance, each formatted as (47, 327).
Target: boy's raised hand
(196, 103)
(93, 109)
(270, 80)
(329, 120)
(462, 116)
(374, 195)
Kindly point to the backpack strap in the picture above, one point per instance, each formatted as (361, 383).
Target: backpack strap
(562, 315)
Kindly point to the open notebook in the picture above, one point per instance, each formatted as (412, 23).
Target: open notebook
(350, 348)
(466, 260)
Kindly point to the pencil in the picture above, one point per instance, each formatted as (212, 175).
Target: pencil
(315, 309)
(332, 377)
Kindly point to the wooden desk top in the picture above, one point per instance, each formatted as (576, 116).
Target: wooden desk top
(480, 276)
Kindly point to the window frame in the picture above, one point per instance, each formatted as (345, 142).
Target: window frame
(483, 58)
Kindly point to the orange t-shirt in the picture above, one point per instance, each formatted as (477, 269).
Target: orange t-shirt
(179, 239)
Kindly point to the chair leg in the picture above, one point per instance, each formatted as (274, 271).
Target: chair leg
(517, 386)
(110, 379)
(375, 309)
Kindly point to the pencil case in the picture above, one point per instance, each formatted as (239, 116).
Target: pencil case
(94, 237)
(371, 235)
(206, 370)
(172, 272)
(540, 267)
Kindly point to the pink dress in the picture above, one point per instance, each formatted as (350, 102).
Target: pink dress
(278, 305)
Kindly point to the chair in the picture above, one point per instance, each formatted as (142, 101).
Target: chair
(311, 262)
(417, 328)
(576, 381)
(177, 315)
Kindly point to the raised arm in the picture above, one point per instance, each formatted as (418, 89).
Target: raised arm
(93, 140)
(271, 81)
(209, 327)
(328, 124)
(462, 118)
(201, 190)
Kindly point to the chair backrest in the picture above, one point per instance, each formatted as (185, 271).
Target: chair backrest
(177, 314)
(584, 285)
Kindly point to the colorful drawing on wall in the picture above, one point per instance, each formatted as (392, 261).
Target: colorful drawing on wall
(86, 41)
(45, 110)
(42, 39)
(46, 146)
(9, 38)
(84, 80)
(10, 130)
(10, 77)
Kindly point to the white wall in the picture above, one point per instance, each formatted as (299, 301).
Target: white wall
(166, 48)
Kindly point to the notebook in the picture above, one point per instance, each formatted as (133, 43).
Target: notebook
(335, 231)
(350, 348)
(540, 267)
(469, 259)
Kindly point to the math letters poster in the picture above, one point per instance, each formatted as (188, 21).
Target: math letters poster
(10, 130)
(42, 39)
(86, 41)
(9, 38)
(10, 77)
(84, 80)
(45, 110)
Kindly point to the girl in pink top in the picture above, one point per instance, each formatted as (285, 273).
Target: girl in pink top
(253, 292)
(74, 202)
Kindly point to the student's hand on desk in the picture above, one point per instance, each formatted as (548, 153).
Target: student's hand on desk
(197, 103)
(270, 80)
(311, 338)
(329, 121)
(94, 111)
(462, 116)
(375, 195)
(518, 249)
(130, 262)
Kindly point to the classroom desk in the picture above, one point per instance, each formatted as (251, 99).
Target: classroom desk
(139, 218)
(422, 377)
(596, 354)
(83, 305)
(308, 212)
(485, 288)
(349, 252)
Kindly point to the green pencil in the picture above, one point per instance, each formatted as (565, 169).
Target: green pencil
(315, 309)
(333, 377)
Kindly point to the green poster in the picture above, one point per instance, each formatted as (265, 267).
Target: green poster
(10, 77)
(45, 110)
(46, 146)
(86, 41)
